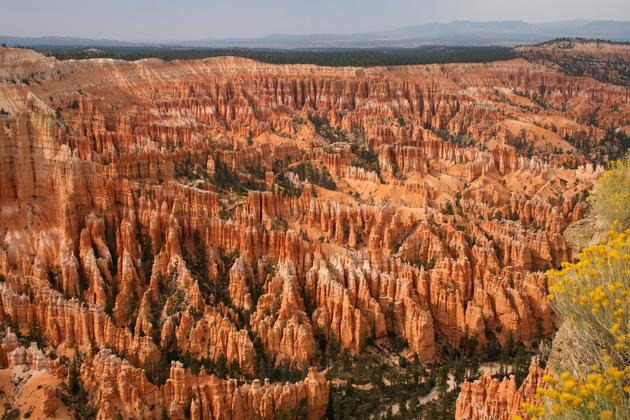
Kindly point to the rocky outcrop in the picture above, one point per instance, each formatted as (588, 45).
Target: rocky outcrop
(69, 324)
(211, 337)
(489, 398)
(239, 286)
(118, 384)
(50, 402)
(280, 320)
(31, 357)
(7, 345)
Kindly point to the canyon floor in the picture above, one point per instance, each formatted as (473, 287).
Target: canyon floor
(230, 239)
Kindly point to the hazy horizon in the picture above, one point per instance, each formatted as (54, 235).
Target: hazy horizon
(163, 20)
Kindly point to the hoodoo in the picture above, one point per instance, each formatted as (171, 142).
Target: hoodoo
(224, 238)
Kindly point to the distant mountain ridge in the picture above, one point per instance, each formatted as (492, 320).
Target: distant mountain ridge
(65, 41)
(465, 33)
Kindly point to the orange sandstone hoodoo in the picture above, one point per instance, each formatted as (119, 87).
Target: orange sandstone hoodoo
(244, 217)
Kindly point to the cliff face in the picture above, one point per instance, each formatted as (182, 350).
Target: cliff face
(243, 216)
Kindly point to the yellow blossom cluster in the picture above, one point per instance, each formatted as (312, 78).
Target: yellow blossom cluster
(589, 394)
(611, 194)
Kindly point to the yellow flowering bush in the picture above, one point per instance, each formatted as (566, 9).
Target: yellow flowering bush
(611, 195)
(593, 295)
(589, 394)
(592, 298)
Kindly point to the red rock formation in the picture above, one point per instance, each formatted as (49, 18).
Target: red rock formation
(31, 357)
(280, 320)
(117, 384)
(213, 336)
(131, 215)
(8, 344)
(489, 398)
(50, 403)
(239, 287)
(69, 324)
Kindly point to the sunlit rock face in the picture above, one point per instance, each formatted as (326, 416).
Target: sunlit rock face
(240, 216)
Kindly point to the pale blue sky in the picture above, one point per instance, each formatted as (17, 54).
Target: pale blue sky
(198, 19)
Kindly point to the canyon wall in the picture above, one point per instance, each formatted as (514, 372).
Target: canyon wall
(242, 216)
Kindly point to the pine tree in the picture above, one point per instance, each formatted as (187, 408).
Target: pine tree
(164, 415)
(473, 369)
(460, 371)
(521, 365)
(74, 375)
(221, 366)
(442, 381)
